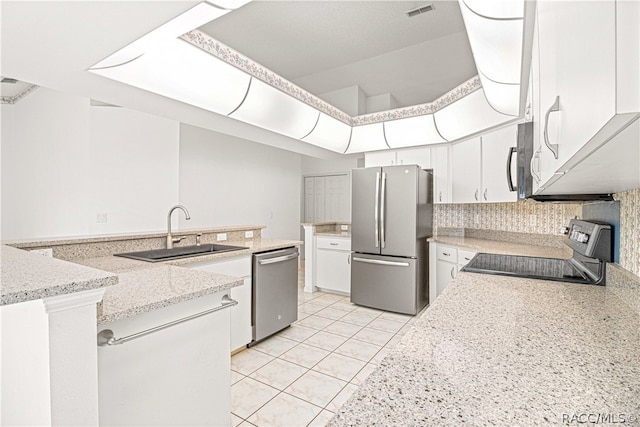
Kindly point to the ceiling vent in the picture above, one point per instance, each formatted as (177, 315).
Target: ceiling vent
(9, 80)
(419, 10)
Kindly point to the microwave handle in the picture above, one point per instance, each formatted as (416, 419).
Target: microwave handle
(509, 160)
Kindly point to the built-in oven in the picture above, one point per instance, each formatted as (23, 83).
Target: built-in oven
(592, 244)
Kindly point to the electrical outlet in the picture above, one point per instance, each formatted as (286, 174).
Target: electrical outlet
(533, 220)
(44, 252)
(344, 227)
(248, 234)
(101, 218)
(220, 237)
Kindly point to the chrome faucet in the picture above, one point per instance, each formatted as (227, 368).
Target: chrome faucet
(170, 239)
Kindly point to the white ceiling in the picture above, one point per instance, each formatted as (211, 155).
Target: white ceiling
(325, 46)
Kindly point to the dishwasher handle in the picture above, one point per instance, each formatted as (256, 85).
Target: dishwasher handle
(278, 259)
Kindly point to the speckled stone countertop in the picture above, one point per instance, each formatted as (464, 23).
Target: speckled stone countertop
(145, 286)
(27, 276)
(495, 350)
(501, 247)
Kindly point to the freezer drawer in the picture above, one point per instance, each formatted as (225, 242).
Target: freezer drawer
(275, 292)
(386, 283)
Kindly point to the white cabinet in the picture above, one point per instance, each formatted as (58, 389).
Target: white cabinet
(466, 171)
(441, 174)
(333, 264)
(445, 261)
(496, 148)
(240, 314)
(411, 156)
(327, 198)
(575, 56)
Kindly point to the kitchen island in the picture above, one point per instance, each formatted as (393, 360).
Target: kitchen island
(508, 351)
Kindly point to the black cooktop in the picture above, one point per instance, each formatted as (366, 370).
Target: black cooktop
(587, 271)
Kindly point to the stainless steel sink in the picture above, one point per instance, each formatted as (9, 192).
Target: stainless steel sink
(157, 255)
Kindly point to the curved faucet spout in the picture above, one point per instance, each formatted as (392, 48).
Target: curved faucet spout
(170, 239)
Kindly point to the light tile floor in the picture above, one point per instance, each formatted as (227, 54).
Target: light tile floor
(302, 375)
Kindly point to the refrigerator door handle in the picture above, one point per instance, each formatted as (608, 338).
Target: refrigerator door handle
(376, 219)
(375, 261)
(382, 209)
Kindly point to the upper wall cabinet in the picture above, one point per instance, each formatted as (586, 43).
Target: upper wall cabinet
(499, 165)
(586, 94)
(269, 108)
(412, 131)
(469, 115)
(466, 171)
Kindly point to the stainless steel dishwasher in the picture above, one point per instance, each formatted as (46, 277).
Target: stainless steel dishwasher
(275, 292)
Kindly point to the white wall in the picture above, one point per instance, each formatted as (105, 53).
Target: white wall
(230, 181)
(344, 163)
(64, 162)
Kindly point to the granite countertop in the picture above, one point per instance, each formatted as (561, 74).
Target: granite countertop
(501, 247)
(495, 350)
(27, 276)
(145, 286)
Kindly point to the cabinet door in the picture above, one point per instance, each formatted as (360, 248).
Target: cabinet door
(380, 158)
(415, 156)
(466, 163)
(319, 198)
(445, 273)
(333, 270)
(495, 153)
(577, 63)
(441, 178)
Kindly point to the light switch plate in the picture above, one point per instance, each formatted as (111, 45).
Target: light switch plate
(248, 234)
(220, 237)
(344, 227)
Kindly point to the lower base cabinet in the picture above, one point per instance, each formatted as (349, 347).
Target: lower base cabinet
(333, 264)
(445, 263)
(241, 332)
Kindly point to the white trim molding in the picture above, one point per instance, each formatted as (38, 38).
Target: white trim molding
(18, 97)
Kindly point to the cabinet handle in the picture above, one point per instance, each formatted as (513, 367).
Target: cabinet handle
(535, 175)
(552, 147)
(452, 269)
(376, 210)
(440, 196)
(485, 194)
(333, 244)
(476, 194)
(349, 259)
(446, 254)
(512, 150)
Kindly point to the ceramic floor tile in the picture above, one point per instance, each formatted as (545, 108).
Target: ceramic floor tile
(316, 388)
(285, 410)
(396, 317)
(331, 298)
(385, 325)
(322, 419)
(331, 313)
(297, 332)
(249, 360)
(321, 302)
(363, 374)
(358, 350)
(310, 307)
(302, 315)
(235, 377)
(325, 340)
(344, 306)
(394, 341)
(380, 356)
(316, 322)
(358, 318)
(339, 366)
(369, 310)
(343, 328)
(248, 395)
(373, 336)
(342, 397)
(246, 424)
(275, 346)
(236, 420)
(305, 355)
(278, 373)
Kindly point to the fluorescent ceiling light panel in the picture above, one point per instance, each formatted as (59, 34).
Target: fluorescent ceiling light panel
(367, 138)
(330, 133)
(412, 131)
(195, 17)
(467, 116)
(181, 71)
(497, 9)
(503, 97)
(272, 109)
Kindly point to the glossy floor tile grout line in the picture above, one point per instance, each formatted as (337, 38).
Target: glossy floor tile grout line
(303, 374)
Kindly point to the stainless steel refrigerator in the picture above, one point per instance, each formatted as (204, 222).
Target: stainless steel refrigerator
(391, 219)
